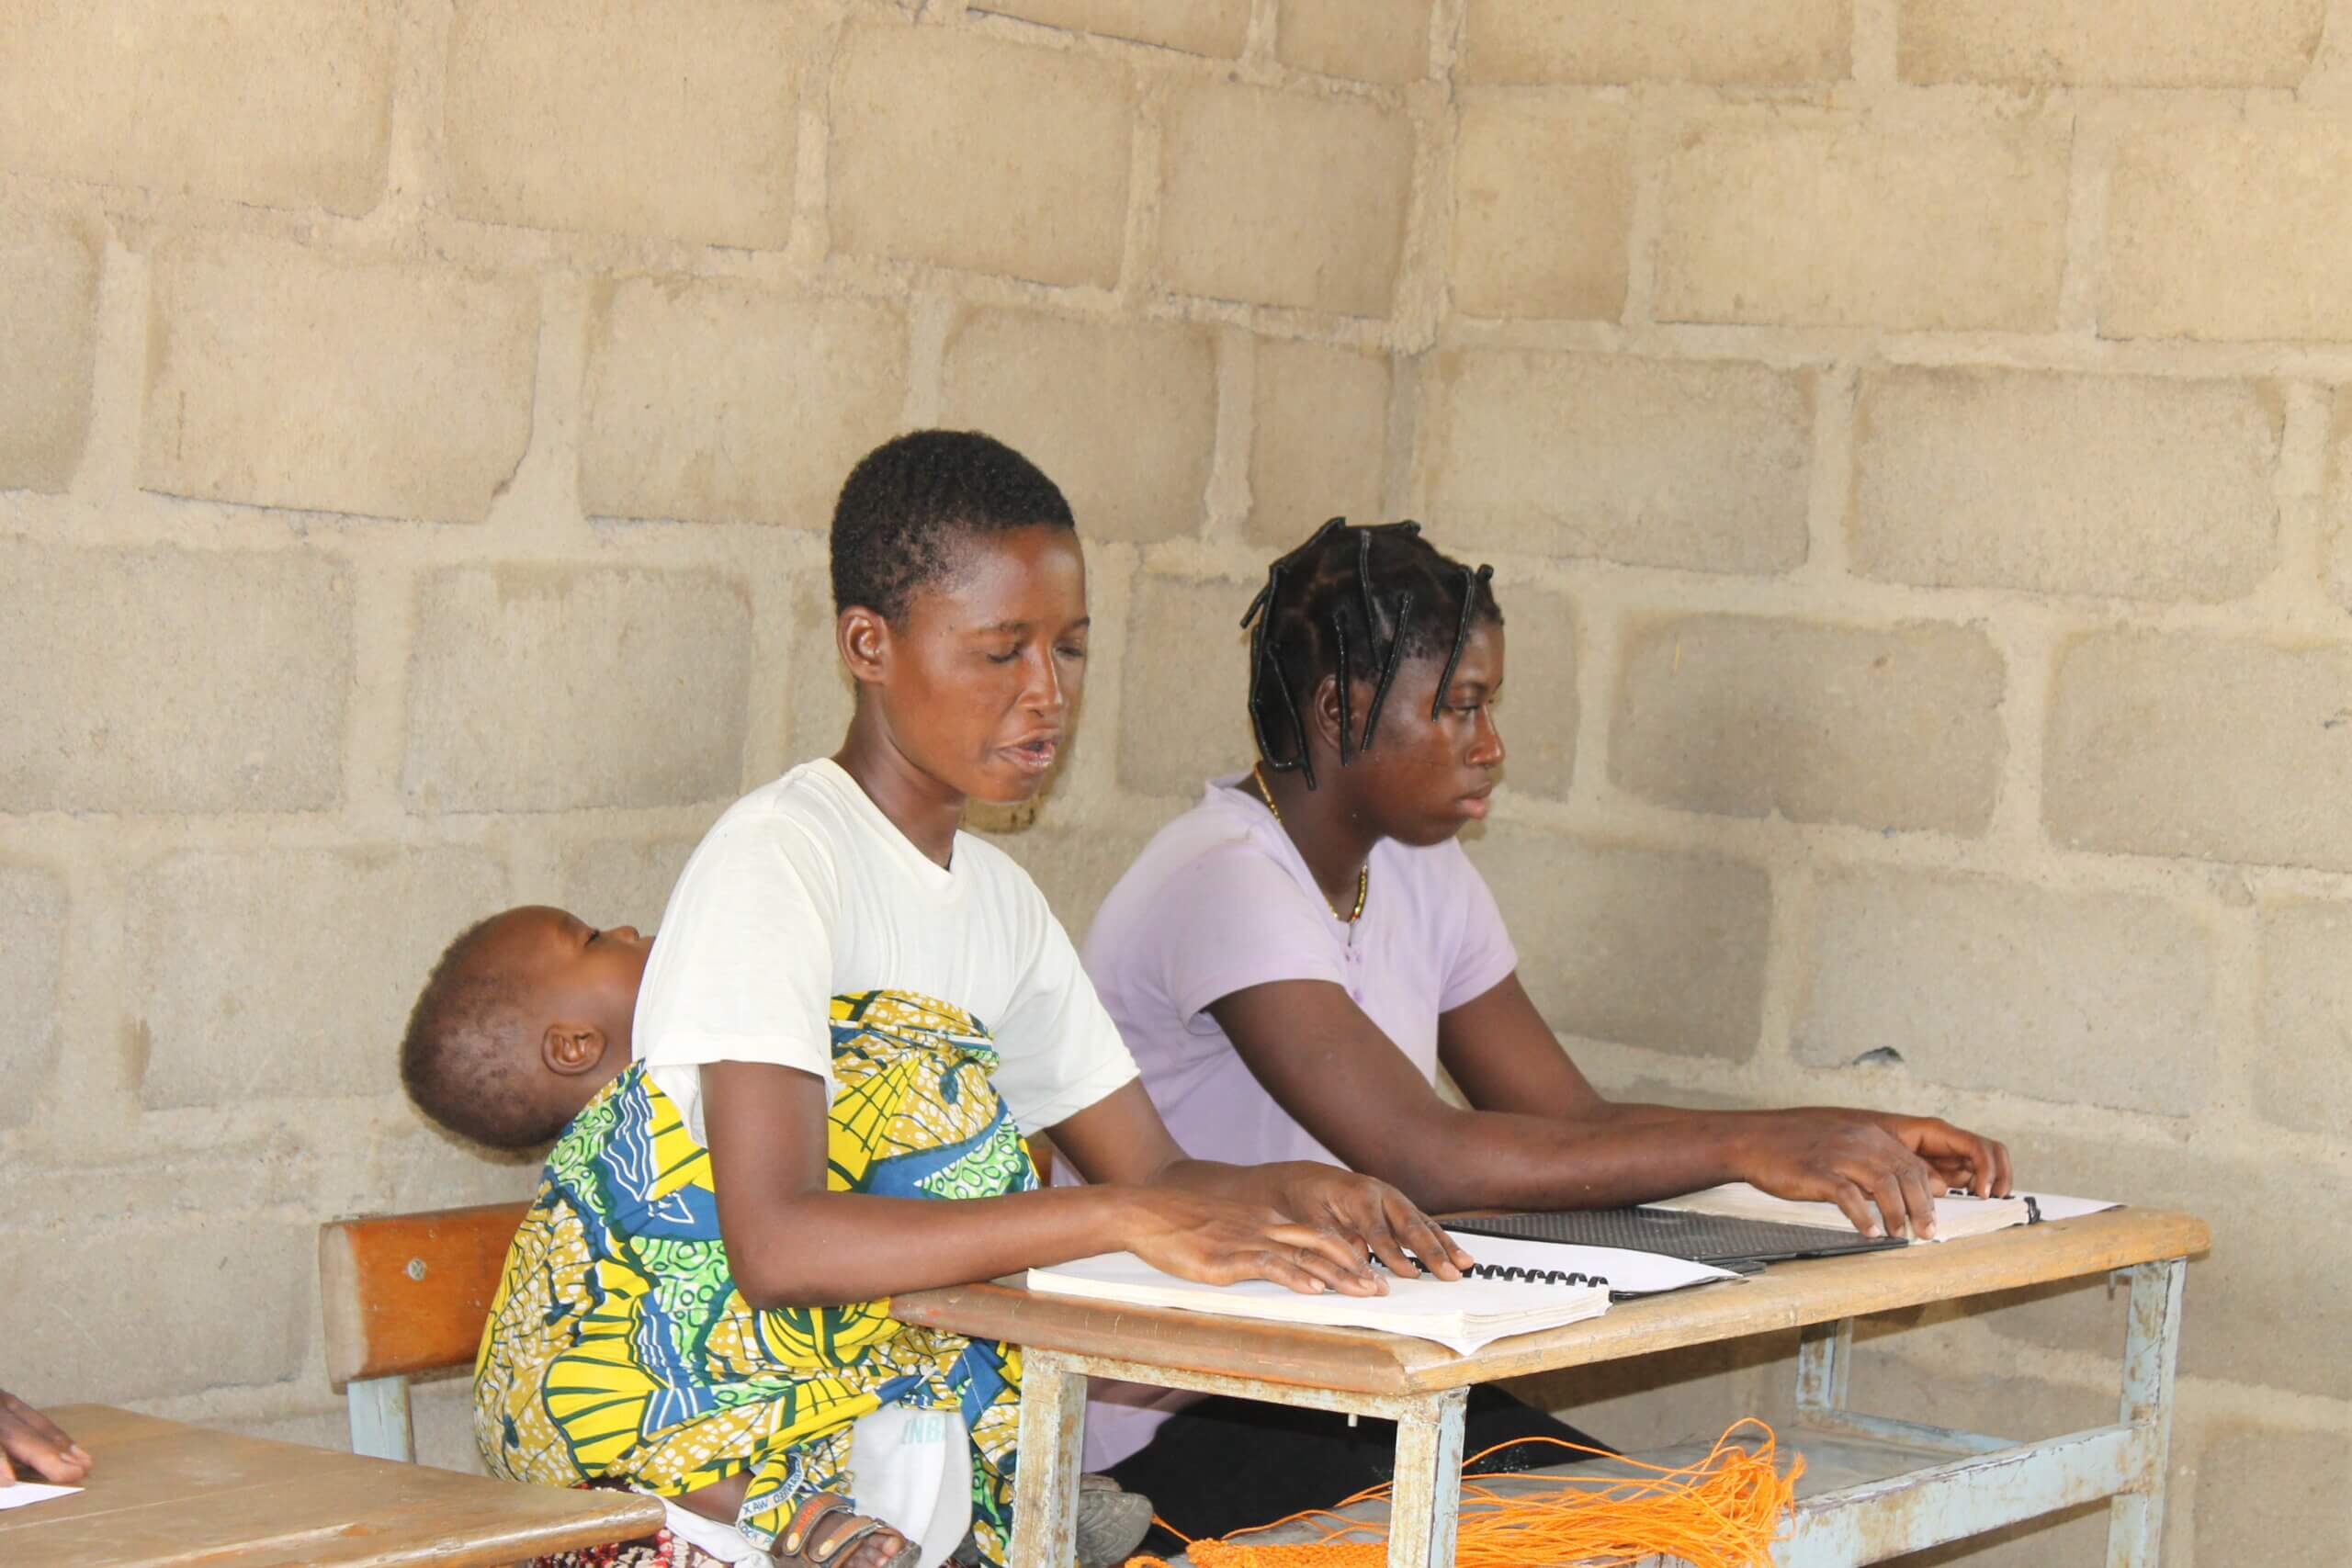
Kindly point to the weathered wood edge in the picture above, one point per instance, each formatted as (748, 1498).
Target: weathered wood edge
(1364, 1361)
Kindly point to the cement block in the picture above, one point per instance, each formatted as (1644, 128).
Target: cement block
(675, 119)
(2282, 1490)
(717, 402)
(2216, 748)
(2179, 43)
(1544, 206)
(426, 1167)
(1371, 40)
(974, 153)
(630, 684)
(623, 882)
(1778, 43)
(1647, 462)
(1321, 440)
(1990, 985)
(123, 690)
(1538, 710)
(823, 697)
(2225, 232)
(49, 297)
(2147, 487)
(416, 381)
(1214, 28)
(249, 981)
(1184, 719)
(284, 105)
(32, 955)
(1643, 947)
(1894, 727)
(1122, 416)
(1280, 198)
(2260, 1306)
(221, 1299)
(2300, 1079)
(1844, 223)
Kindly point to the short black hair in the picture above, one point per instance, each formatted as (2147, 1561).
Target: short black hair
(457, 1058)
(1355, 602)
(908, 501)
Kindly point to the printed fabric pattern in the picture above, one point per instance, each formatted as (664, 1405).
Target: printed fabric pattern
(619, 1350)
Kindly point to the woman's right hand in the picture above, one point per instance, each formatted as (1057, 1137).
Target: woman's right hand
(1218, 1242)
(1873, 1176)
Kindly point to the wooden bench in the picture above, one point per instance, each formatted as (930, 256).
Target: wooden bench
(403, 1294)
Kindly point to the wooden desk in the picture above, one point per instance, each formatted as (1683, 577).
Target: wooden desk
(1984, 1482)
(164, 1492)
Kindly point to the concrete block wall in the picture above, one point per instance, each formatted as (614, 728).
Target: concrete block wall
(1909, 434)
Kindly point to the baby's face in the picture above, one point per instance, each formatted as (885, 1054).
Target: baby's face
(571, 971)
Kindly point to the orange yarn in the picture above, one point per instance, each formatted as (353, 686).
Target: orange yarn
(1723, 1512)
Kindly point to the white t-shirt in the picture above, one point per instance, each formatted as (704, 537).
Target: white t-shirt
(804, 890)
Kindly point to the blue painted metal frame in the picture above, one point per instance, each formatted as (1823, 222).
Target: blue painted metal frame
(1988, 1481)
(1993, 1482)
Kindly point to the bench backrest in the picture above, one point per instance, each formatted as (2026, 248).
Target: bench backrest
(406, 1293)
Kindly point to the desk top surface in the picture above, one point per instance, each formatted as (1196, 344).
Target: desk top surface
(1786, 1295)
(164, 1492)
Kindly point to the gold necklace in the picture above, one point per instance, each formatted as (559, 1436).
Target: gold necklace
(1363, 872)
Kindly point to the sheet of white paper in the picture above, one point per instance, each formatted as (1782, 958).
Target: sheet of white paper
(1629, 1273)
(2054, 1207)
(25, 1492)
(1957, 1213)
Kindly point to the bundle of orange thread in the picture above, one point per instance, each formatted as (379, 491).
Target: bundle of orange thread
(1723, 1512)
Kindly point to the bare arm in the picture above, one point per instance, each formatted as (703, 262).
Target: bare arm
(1504, 1056)
(1560, 1145)
(1345, 1082)
(790, 1242)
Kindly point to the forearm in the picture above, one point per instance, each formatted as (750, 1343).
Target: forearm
(828, 1249)
(1499, 1160)
(1265, 1184)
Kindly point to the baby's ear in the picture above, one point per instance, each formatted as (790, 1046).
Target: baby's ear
(571, 1049)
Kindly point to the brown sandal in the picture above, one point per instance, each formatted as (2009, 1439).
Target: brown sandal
(798, 1546)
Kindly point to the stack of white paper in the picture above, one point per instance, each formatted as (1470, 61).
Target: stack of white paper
(1462, 1314)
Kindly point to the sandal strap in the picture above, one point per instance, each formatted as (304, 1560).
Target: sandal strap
(843, 1540)
(807, 1518)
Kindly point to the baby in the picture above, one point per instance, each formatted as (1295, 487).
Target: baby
(524, 1019)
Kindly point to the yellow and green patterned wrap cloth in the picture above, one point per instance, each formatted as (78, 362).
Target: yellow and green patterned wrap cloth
(619, 1349)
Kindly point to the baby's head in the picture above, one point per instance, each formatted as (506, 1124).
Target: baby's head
(524, 1018)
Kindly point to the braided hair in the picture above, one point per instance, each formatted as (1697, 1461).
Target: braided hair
(1354, 603)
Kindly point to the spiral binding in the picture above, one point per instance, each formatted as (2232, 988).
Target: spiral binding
(1535, 1276)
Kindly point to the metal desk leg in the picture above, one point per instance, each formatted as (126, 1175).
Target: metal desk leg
(1045, 1483)
(1427, 1500)
(1825, 1359)
(2135, 1528)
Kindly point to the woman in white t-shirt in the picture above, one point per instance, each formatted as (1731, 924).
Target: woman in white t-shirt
(850, 1008)
(1292, 959)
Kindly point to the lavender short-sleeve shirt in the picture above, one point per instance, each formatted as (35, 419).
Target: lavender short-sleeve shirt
(1219, 901)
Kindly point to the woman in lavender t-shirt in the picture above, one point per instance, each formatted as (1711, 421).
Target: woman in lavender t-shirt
(1291, 960)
